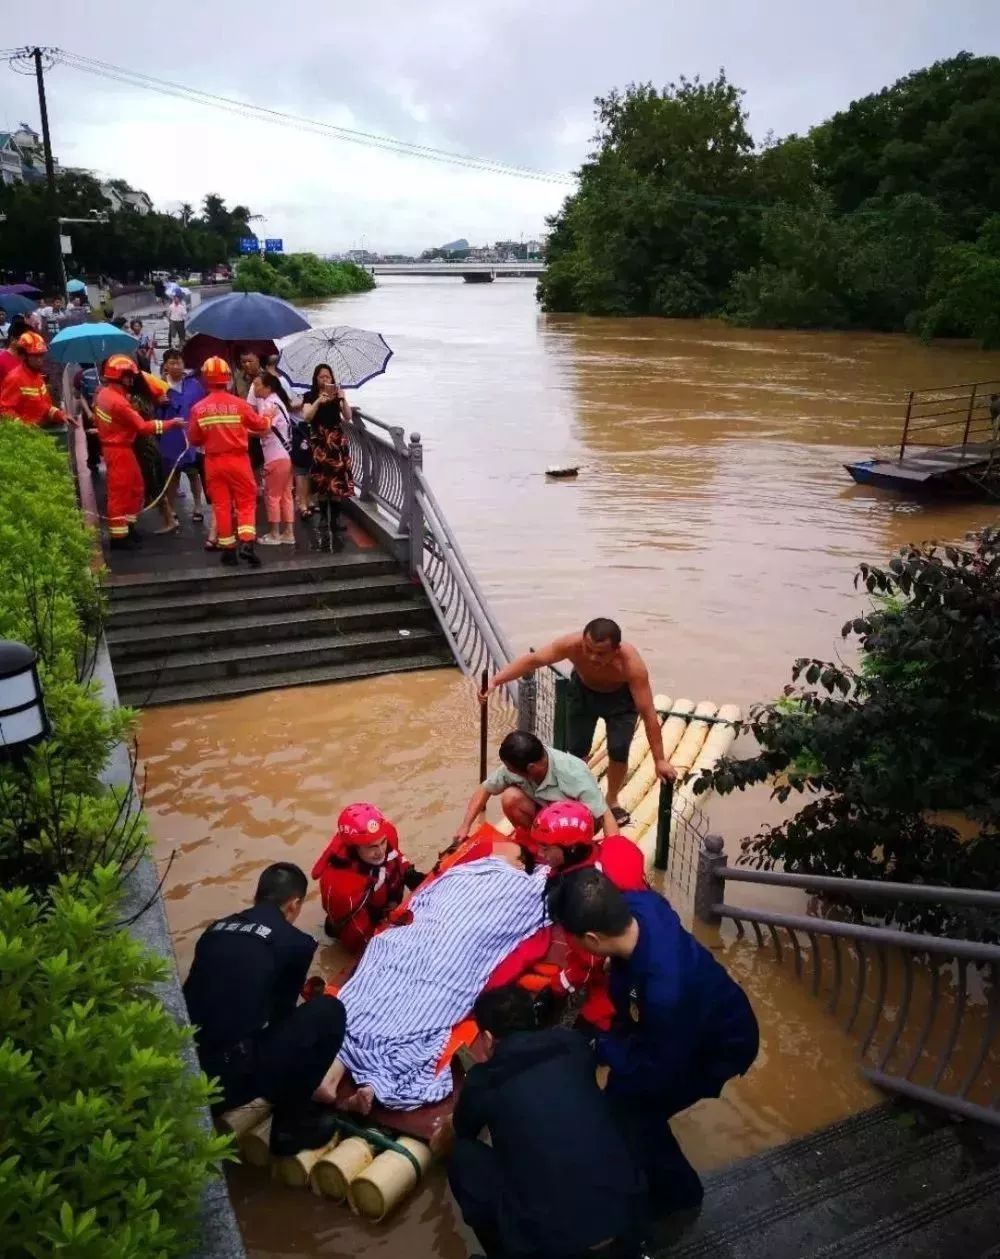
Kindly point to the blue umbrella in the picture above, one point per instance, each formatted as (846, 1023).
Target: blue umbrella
(76, 286)
(246, 317)
(15, 304)
(90, 343)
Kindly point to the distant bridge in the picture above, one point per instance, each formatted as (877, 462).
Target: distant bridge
(471, 272)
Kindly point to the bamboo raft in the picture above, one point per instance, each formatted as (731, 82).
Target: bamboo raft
(373, 1171)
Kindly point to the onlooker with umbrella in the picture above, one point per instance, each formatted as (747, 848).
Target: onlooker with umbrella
(325, 408)
(183, 391)
(272, 401)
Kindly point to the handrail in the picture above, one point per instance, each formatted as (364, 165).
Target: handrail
(877, 889)
(901, 1037)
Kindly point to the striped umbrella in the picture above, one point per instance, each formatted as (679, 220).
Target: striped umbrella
(355, 355)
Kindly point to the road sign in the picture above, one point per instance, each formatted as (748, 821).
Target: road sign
(274, 245)
(249, 245)
(65, 244)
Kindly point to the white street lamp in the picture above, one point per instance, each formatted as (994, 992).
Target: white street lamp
(23, 720)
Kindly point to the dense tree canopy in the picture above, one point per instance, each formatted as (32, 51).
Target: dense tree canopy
(300, 276)
(125, 247)
(878, 218)
(894, 753)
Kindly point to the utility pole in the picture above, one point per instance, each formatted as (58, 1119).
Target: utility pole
(50, 170)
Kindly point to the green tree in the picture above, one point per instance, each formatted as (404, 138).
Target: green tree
(883, 748)
(962, 297)
(658, 225)
(186, 213)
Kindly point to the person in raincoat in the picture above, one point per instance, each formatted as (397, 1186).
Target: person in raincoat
(683, 1027)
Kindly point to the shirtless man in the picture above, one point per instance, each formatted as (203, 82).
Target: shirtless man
(609, 680)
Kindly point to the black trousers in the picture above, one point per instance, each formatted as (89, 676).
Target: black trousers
(285, 1063)
(475, 1177)
(673, 1183)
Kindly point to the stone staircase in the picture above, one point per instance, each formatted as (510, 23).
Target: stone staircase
(891, 1183)
(215, 632)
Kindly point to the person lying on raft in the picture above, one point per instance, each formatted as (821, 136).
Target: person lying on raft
(531, 776)
(562, 838)
(250, 1033)
(415, 982)
(362, 875)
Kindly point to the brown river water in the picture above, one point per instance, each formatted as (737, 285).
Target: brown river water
(712, 517)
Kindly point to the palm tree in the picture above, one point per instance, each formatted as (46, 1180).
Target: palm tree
(186, 213)
(215, 214)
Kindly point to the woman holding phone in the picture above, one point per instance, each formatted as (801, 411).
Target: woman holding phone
(325, 409)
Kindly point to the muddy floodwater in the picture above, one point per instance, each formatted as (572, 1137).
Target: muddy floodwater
(711, 516)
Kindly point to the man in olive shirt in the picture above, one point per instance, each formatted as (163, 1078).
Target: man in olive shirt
(531, 776)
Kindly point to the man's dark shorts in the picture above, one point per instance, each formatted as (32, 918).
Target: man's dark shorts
(584, 708)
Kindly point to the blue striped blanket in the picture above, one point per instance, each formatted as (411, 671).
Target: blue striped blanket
(414, 983)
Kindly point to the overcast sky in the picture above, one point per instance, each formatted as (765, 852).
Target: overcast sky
(511, 80)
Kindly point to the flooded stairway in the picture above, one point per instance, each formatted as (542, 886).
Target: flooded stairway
(890, 1183)
(202, 632)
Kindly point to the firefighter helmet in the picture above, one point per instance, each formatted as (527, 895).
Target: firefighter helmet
(216, 371)
(31, 343)
(118, 367)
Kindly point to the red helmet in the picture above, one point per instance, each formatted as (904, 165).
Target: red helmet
(216, 371)
(31, 343)
(364, 824)
(118, 366)
(563, 824)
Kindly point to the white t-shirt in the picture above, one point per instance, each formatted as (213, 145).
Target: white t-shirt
(176, 311)
(275, 444)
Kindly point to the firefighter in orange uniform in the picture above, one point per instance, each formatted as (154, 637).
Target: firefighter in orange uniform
(562, 837)
(24, 393)
(118, 424)
(222, 424)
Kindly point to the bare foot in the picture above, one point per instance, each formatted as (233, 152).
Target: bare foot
(360, 1102)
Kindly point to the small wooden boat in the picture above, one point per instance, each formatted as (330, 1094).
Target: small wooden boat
(562, 473)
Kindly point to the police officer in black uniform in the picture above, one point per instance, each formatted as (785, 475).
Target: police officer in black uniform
(242, 995)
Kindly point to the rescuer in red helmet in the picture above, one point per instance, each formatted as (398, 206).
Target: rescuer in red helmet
(222, 424)
(118, 424)
(562, 837)
(362, 875)
(24, 393)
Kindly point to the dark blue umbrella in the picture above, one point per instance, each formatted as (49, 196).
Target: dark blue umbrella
(246, 317)
(15, 304)
(22, 290)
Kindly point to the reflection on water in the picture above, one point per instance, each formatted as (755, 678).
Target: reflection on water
(712, 517)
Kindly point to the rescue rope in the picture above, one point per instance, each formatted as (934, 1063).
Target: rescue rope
(381, 1142)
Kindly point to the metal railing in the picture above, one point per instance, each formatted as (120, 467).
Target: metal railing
(926, 1008)
(955, 415)
(388, 472)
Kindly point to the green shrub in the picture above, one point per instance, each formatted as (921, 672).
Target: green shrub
(300, 276)
(104, 1151)
(55, 815)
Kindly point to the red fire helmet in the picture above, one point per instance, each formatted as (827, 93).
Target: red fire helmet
(364, 824)
(563, 824)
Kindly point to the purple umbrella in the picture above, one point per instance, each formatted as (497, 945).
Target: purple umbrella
(21, 290)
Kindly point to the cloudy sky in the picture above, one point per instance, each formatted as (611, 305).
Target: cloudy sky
(510, 80)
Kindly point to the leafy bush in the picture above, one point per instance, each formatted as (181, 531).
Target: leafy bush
(55, 815)
(885, 747)
(300, 276)
(104, 1151)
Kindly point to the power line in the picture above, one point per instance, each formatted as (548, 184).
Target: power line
(133, 78)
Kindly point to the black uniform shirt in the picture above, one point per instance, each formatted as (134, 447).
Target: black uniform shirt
(248, 971)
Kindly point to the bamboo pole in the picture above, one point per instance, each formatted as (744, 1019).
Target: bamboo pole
(243, 1118)
(391, 1178)
(294, 1169)
(686, 752)
(255, 1144)
(334, 1170)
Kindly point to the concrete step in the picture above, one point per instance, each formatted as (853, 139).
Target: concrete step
(153, 641)
(276, 656)
(278, 569)
(826, 1208)
(239, 599)
(960, 1222)
(225, 688)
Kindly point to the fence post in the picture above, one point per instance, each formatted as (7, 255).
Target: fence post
(906, 425)
(527, 702)
(560, 735)
(413, 515)
(710, 885)
(968, 418)
(367, 463)
(661, 854)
